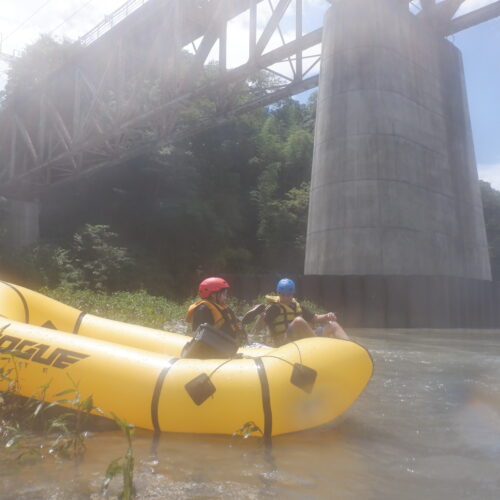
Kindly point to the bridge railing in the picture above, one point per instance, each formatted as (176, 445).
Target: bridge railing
(110, 21)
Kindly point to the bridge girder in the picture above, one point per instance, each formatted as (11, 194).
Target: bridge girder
(473, 18)
(93, 113)
(55, 140)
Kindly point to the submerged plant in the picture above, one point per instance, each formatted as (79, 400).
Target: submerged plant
(18, 415)
(70, 440)
(122, 465)
(28, 427)
(246, 430)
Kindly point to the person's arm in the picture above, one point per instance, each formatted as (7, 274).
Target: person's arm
(314, 318)
(241, 335)
(202, 315)
(325, 318)
(308, 315)
(270, 313)
(253, 313)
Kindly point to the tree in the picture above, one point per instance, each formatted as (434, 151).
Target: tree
(39, 60)
(93, 260)
(231, 198)
(282, 191)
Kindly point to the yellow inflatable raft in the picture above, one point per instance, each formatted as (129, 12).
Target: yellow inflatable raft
(136, 372)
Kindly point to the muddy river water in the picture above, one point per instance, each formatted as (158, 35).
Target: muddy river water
(426, 427)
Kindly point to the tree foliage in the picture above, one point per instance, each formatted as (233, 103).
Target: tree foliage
(93, 260)
(232, 198)
(211, 203)
(36, 64)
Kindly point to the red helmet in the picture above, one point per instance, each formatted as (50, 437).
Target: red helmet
(211, 285)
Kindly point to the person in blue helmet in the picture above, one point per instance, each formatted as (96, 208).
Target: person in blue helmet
(287, 320)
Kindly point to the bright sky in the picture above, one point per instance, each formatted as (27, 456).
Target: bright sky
(22, 21)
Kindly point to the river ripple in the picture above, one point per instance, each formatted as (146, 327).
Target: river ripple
(427, 426)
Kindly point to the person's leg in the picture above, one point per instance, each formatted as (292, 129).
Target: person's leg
(299, 328)
(333, 329)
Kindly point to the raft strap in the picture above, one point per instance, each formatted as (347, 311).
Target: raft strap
(78, 322)
(266, 401)
(156, 394)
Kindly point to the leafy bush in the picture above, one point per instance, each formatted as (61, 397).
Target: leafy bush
(93, 261)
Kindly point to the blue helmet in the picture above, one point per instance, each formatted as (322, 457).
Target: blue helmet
(286, 286)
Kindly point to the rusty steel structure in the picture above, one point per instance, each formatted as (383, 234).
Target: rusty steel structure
(94, 112)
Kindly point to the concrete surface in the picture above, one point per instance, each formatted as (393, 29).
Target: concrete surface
(394, 187)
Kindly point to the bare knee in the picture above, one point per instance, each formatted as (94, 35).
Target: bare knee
(298, 321)
(333, 329)
(300, 328)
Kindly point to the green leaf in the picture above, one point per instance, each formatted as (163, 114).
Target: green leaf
(67, 391)
(247, 429)
(86, 405)
(38, 408)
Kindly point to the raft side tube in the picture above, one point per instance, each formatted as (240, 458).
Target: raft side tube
(135, 385)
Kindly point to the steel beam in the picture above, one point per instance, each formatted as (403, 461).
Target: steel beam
(73, 151)
(237, 74)
(222, 117)
(271, 26)
(68, 141)
(473, 18)
(27, 138)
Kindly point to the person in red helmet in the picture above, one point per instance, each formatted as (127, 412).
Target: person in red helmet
(213, 310)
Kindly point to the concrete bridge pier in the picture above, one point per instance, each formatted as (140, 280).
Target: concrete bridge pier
(21, 223)
(394, 187)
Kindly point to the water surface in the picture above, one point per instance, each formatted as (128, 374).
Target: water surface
(427, 426)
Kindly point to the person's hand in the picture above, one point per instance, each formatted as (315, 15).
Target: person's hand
(330, 316)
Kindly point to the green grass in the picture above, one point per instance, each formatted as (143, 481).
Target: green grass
(130, 307)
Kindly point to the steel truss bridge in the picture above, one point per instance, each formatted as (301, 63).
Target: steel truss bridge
(94, 112)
